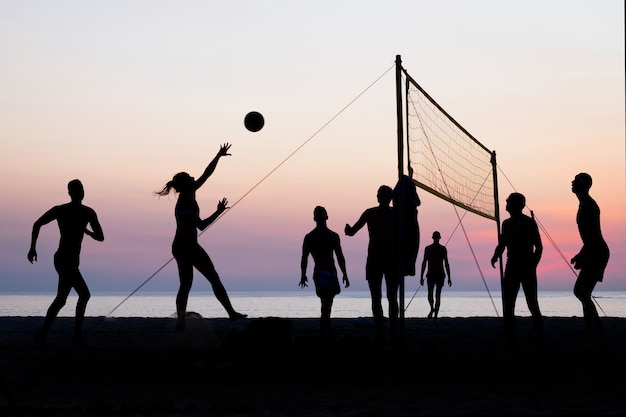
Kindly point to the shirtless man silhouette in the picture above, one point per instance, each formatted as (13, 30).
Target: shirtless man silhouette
(592, 258)
(381, 258)
(73, 219)
(436, 258)
(323, 245)
(520, 237)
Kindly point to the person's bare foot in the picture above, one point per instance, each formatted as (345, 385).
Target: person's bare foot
(237, 316)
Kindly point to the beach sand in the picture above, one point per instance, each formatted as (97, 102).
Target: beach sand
(279, 367)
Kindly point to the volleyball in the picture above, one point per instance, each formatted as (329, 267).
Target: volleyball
(254, 121)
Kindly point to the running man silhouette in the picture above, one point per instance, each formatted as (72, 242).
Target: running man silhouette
(321, 243)
(381, 259)
(520, 236)
(436, 258)
(72, 219)
(593, 256)
(186, 250)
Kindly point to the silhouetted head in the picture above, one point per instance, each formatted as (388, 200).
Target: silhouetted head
(384, 194)
(320, 214)
(515, 202)
(180, 182)
(581, 183)
(75, 190)
(436, 235)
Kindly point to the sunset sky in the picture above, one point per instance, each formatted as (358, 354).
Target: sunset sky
(124, 94)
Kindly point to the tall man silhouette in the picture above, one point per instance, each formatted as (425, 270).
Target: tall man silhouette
(520, 236)
(381, 258)
(593, 257)
(72, 219)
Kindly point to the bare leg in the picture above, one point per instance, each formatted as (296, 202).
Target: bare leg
(437, 299)
(56, 306)
(530, 291)
(325, 327)
(583, 290)
(431, 299)
(510, 288)
(222, 297)
(81, 306)
(392, 300)
(205, 266)
(185, 274)
(377, 308)
(64, 268)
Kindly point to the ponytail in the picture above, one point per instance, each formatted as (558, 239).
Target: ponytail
(165, 190)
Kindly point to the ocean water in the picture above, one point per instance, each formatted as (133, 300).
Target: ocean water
(297, 304)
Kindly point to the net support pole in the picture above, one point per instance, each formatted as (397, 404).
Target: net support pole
(400, 237)
(496, 201)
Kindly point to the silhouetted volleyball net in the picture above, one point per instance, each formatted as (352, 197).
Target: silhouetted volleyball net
(444, 159)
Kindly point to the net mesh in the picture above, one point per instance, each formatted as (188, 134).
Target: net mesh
(444, 159)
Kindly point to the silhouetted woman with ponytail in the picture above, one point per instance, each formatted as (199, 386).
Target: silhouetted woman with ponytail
(186, 250)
